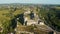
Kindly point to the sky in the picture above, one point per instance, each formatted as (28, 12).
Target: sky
(31, 1)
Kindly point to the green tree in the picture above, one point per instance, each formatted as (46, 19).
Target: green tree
(51, 17)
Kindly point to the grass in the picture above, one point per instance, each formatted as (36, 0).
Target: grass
(31, 29)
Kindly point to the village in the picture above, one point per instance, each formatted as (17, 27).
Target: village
(24, 20)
